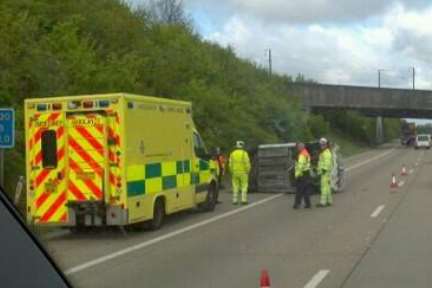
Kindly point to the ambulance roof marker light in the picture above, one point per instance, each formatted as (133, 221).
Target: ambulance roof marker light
(74, 104)
(56, 106)
(41, 107)
(88, 104)
(104, 103)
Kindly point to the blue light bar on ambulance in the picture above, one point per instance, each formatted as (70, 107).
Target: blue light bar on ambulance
(104, 103)
(41, 107)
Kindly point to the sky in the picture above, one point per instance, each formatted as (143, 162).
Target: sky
(332, 41)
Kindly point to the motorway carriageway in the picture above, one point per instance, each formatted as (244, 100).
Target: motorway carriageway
(373, 236)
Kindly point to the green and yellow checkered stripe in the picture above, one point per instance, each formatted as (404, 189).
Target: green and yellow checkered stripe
(155, 177)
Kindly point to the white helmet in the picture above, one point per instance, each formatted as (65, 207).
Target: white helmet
(239, 144)
(323, 141)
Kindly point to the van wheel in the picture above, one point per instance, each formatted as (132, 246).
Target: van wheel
(158, 215)
(210, 203)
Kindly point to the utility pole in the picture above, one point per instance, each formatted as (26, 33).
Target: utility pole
(413, 76)
(379, 121)
(379, 77)
(270, 62)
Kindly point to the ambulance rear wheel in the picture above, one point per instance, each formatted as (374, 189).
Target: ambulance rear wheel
(158, 215)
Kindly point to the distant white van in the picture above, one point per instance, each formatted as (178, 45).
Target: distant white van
(423, 141)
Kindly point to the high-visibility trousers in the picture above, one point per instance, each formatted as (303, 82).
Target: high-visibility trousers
(240, 182)
(326, 193)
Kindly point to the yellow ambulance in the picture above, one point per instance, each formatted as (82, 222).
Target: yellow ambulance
(114, 160)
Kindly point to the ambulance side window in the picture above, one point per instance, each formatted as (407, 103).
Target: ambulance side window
(199, 147)
(49, 149)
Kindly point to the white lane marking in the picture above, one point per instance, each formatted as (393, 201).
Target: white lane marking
(317, 279)
(57, 234)
(142, 245)
(369, 160)
(377, 211)
(401, 183)
(148, 243)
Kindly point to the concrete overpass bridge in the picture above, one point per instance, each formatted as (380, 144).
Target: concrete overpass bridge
(370, 101)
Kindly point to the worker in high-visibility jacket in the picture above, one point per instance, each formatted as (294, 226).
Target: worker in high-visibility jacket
(239, 165)
(220, 160)
(302, 176)
(324, 170)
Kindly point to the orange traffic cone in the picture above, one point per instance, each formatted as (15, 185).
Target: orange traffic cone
(404, 171)
(264, 279)
(393, 183)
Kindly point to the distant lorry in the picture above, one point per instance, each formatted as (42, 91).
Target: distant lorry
(273, 168)
(114, 160)
(408, 133)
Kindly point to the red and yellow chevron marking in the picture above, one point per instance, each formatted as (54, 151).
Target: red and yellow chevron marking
(49, 184)
(47, 118)
(113, 157)
(86, 140)
(85, 184)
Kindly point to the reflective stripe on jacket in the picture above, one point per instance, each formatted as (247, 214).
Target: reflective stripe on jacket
(302, 164)
(239, 161)
(325, 162)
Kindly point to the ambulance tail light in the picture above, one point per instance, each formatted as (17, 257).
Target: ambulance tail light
(57, 106)
(88, 104)
(41, 107)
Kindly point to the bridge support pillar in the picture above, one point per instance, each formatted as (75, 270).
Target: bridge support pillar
(379, 130)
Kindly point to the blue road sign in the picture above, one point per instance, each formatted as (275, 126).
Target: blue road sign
(7, 128)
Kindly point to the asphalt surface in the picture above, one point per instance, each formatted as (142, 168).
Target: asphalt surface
(373, 236)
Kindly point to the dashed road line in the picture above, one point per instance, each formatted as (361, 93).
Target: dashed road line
(130, 249)
(317, 279)
(377, 211)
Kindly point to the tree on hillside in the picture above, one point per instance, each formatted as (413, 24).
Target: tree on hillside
(168, 11)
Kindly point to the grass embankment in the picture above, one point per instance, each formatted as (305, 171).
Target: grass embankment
(348, 147)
